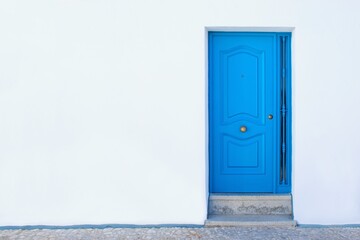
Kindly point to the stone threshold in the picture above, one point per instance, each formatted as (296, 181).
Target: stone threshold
(254, 220)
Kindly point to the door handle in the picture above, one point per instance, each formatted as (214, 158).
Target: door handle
(270, 116)
(243, 129)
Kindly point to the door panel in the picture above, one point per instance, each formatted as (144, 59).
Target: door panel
(242, 78)
(242, 81)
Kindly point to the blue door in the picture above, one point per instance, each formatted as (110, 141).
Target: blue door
(245, 117)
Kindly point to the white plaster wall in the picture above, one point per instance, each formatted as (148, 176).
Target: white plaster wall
(103, 108)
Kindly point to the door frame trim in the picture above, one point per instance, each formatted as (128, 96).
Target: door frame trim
(285, 30)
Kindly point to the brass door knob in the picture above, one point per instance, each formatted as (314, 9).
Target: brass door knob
(243, 129)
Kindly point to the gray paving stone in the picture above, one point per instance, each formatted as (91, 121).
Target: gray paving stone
(220, 233)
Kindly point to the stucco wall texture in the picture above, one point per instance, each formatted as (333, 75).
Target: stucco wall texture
(104, 108)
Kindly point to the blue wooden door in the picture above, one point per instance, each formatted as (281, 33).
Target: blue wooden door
(243, 111)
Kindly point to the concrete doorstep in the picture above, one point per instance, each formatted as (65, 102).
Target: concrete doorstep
(228, 210)
(250, 220)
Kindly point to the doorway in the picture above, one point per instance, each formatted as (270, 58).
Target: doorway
(249, 112)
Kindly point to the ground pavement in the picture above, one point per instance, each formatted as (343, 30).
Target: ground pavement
(187, 233)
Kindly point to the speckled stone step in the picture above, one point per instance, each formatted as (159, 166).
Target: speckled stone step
(269, 204)
(250, 221)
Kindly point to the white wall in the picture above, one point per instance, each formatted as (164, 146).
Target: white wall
(103, 108)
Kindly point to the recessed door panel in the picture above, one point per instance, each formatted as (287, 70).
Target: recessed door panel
(243, 156)
(242, 71)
